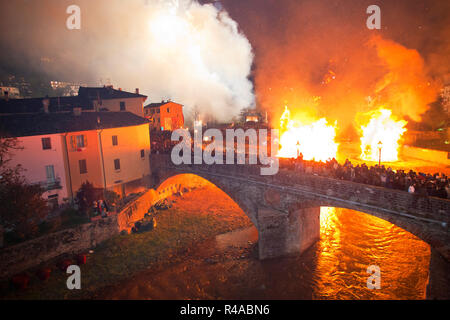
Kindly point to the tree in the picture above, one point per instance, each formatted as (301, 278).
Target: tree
(22, 205)
(86, 196)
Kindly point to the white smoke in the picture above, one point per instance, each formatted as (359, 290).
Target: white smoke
(190, 53)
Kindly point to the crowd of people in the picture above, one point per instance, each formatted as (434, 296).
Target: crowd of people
(161, 142)
(436, 185)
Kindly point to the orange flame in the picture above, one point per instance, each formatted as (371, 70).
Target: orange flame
(381, 136)
(315, 141)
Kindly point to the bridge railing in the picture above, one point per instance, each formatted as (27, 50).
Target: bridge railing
(392, 199)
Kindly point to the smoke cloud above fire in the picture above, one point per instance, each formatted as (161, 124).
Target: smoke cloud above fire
(320, 59)
(181, 50)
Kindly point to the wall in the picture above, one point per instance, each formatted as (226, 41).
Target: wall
(91, 153)
(17, 258)
(134, 105)
(175, 115)
(34, 159)
(131, 140)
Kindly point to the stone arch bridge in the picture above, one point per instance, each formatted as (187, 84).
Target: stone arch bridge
(285, 208)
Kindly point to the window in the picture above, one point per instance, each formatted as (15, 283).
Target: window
(50, 172)
(122, 106)
(114, 141)
(117, 164)
(78, 142)
(142, 154)
(168, 110)
(81, 141)
(157, 110)
(83, 166)
(46, 144)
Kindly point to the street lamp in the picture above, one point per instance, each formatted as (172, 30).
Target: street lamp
(380, 145)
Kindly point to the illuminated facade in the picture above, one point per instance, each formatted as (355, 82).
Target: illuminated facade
(61, 151)
(165, 116)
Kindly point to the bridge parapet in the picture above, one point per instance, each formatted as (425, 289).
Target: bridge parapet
(315, 186)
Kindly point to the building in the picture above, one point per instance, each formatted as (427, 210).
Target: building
(166, 115)
(254, 116)
(108, 98)
(66, 88)
(9, 93)
(62, 150)
(88, 99)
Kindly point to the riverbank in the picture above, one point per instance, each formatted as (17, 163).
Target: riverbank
(190, 220)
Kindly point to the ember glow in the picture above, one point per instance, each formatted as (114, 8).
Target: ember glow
(314, 140)
(382, 135)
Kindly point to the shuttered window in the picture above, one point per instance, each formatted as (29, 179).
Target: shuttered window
(77, 142)
(117, 164)
(83, 166)
(115, 142)
(46, 144)
(50, 172)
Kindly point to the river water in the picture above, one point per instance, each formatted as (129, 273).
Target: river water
(334, 268)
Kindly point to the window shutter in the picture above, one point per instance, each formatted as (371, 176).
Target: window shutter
(85, 140)
(73, 142)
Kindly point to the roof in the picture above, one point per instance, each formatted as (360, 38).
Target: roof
(35, 105)
(157, 105)
(32, 124)
(93, 93)
(84, 100)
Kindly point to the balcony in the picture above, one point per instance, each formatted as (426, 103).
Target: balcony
(50, 185)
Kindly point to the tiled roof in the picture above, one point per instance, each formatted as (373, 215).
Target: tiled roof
(27, 124)
(92, 93)
(34, 105)
(84, 100)
(159, 104)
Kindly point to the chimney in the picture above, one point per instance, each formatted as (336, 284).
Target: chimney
(77, 111)
(137, 90)
(46, 103)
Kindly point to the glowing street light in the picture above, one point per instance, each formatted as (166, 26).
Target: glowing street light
(380, 146)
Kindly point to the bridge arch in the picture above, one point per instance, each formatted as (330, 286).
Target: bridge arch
(184, 182)
(412, 226)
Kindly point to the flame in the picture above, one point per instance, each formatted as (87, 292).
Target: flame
(381, 135)
(315, 140)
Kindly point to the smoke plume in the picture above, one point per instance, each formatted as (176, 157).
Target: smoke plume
(320, 59)
(181, 50)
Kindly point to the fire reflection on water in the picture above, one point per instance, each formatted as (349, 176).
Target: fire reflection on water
(226, 267)
(351, 241)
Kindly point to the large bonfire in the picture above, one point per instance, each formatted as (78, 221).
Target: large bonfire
(314, 140)
(380, 140)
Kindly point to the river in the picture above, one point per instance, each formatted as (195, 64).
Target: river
(334, 268)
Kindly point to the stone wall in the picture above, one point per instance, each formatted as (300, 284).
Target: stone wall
(329, 190)
(20, 257)
(17, 258)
